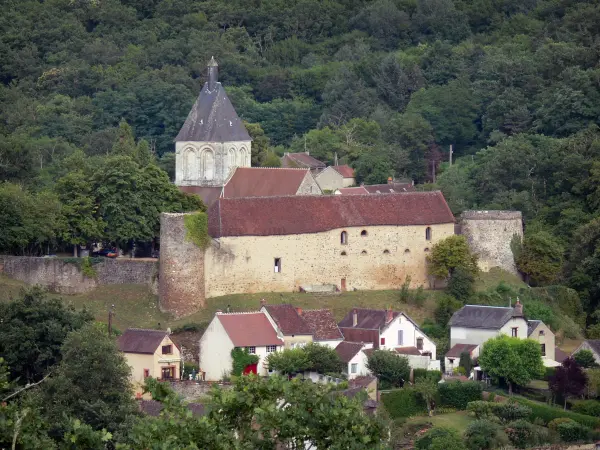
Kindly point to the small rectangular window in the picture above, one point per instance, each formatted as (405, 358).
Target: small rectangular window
(543, 349)
(515, 332)
(353, 368)
(400, 337)
(146, 373)
(251, 350)
(167, 349)
(419, 343)
(277, 265)
(541, 332)
(382, 341)
(271, 348)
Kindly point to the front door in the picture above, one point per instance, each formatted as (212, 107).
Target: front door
(343, 285)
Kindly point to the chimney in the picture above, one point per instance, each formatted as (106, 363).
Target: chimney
(213, 74)
(390, 180)
(354, 318)
(518, 309)
(263, 302)
(389, 316)
(299, 310)
(219, 311)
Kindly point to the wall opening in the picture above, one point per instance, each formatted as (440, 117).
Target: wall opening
(386, 252)
(343, 254)
(277, 265)
(406, 251)
(426, 249)
(364, 252)
(190, 164)
(428, 233)
(363, 233)
(209, 165)
(419, 343)
(344, 238)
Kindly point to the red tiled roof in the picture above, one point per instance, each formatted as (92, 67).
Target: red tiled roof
(370, 319)
(407, 350)
(249, 329)
(208, 194)
(305, 160)
(389, 188)
(358, 335)
(362, 381)
(348, 350)
(288, 320)
(299, 214)
(138, 340)
(264, 182)
(322, 324)
(346, 171)
(353, 191)
(459, 349)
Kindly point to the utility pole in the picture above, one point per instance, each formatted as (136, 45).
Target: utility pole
(110, 316)
(451, 154)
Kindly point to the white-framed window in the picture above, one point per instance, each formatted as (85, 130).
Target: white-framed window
(515, 332)
(420, 343)
(251, 350)
(271, 348)
(277, 265)
(353, 368)
(400, 337)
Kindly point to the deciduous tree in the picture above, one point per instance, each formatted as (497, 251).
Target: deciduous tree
(389, 367)
(568, 380)
(449, 254)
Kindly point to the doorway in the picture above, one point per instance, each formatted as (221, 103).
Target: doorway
(343, 285)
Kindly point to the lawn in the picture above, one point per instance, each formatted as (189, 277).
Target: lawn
(458, 420)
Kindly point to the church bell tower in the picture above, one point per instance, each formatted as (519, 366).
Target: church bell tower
(213, 140)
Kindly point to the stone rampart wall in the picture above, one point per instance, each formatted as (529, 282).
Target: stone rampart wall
(63, 275)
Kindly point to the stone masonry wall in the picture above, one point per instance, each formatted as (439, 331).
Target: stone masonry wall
(489, 234)
(380, 260)
(309, 186)
(57, 275)
(181, 269)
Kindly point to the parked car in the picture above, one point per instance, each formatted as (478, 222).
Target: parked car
(108, 252)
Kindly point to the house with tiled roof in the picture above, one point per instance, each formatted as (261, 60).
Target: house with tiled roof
(323, 326)
(592, 345)
(354, 357)
(359, 190)
(302, 160)
(390, 330)
(336, 177)
(150, 353)
(270, 182)
(252, 331)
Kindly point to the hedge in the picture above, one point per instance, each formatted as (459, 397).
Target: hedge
(548, 413)
(435, 375)
(458, 394)
(587, 407)
(403, 402)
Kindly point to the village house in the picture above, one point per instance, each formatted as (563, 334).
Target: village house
(335, 177)
(226, 331)
(592, 345)
(360, 190)
(269, 182)
(303, 160)
(323, 326)
(150, 353)
(390, 330)
(539, 331)
(354, 357)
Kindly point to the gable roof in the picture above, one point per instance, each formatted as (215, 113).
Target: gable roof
(208, 194)
(249, 329)
(594, 345)
(532, 325)
(408, 351)
(348, 350)
(559, 355)
(305, 160)
(299, 214)
(139, 340)
(264, 182)
(345, 170)
(322, 324)
(479, 316)
(360, 335)
(353, 191)
(213, 119)
(369, 319)
(288, 320)
(459, 349)
(389, 188)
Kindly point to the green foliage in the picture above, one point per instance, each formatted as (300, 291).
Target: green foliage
(481, 409)
(323, 359)
(196, 229)
(540, 258)
(439, 438)
(458, 394)
(466, 362)
(547, 413)
(389, 367)
(484, 435)
(585, 358)
(427, 388)
(516, 360)
(434, 375)
(405, 402)
(87, 269)
(568, 380)
(554, 423)
(450, 254)
(446, 306)
(461, 284)
(572, 432)
(241, 359)
(587, 407)
(510, 411)
(521, 434)
(33, 331)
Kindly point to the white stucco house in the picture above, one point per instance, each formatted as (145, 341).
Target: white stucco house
(390, 330)
(354, 356)
(227, 331)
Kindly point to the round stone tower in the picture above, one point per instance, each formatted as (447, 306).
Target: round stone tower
(489, 234)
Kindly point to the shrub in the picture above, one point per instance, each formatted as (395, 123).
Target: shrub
(549, 373)
(572, 432)
(440, 439)
(403, 402)
(480, 409)
(548, 413)
(585, 358)
(389, 367)
(434, 375)
(460, 370)
(511, 411)
(554, 423)
(492, 397)
(589, 407)
(521, 433)
(458, 395)
(484, 435)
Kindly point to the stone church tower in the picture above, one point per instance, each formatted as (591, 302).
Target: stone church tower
(213, 139)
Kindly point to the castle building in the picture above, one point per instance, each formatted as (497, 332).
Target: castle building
(212, 142)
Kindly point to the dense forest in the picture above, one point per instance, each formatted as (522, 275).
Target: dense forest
(94, 91)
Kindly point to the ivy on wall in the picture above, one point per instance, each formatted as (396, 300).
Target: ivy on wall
(196, 227)
(241, 359)
(85, 265)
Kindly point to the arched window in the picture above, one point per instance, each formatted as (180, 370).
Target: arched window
(364, 252)
(386, 252)
(244, 161)
(208, 164)
(190, 164)
(428, 233)
(426, 249)
(343, 253)
(363, 233)
(344, 238)
(406, 252)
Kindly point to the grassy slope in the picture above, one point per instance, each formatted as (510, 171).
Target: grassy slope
(458, 420)
(136, 306)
